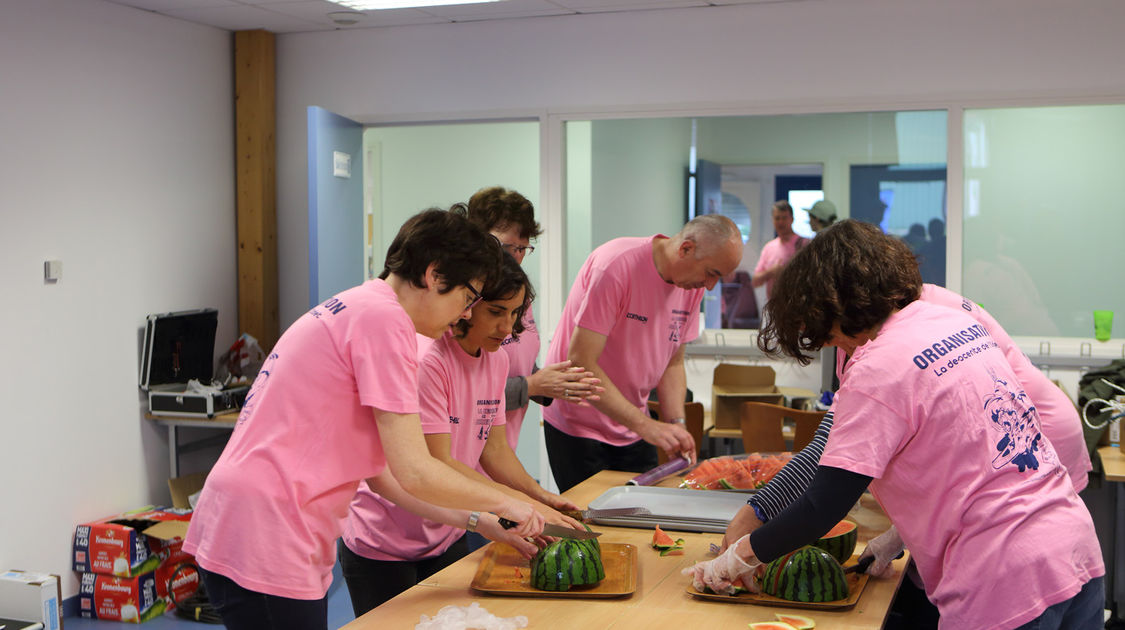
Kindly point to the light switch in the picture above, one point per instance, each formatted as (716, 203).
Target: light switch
(52, 270)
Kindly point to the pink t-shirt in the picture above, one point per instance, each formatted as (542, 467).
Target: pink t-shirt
(619, 294)
(461, 395)
(521, 353)
(275, 502)
(778, 252)
(1057, 412)
(933, 412)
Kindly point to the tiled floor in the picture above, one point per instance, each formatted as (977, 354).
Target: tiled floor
(339, 614)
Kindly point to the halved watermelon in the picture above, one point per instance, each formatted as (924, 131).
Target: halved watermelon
(840, 541)
(800, 622)
(771, 625)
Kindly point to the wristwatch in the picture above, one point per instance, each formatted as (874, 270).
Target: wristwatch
(677, 421)
(474, 518)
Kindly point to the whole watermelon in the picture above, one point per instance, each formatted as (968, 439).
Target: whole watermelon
(566, 563)
(808, 574)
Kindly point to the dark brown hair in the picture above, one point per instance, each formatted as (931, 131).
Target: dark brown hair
(461, 250)
(851, 274)
(499, 208)
(503, 284)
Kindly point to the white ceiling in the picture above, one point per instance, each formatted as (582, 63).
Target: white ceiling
(296, 16)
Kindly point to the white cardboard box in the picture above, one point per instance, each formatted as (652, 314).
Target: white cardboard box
(31, 596)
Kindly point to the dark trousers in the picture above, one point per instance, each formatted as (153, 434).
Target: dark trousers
(243, 609)
(575, 459)
(1084, 611)
(372, 582)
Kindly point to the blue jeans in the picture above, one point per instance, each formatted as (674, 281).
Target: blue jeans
(243, 609)
(1084, 611)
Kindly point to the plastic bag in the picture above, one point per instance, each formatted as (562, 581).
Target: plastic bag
(240, 364)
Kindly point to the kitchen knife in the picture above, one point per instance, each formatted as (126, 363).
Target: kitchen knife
(593, 513)
(863, 563)
(558, 531)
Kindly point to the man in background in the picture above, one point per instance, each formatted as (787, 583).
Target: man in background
(777, 252)
(633, 306)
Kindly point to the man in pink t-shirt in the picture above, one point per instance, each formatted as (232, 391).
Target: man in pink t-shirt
(633, 306)
(776, 253)
(336, 402)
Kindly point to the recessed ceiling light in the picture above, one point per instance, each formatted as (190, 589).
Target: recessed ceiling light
(345, 18)
(374, 5)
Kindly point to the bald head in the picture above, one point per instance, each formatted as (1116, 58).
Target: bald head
(710, 233)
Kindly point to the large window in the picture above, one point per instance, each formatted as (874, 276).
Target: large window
(638, 177)
(1044, 216)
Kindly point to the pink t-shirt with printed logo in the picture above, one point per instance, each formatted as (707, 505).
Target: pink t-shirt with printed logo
(461, 395)
(932, 411)
(274, 503)
(619, 294)
(521, 353)
(777, 252)
(1057, 414)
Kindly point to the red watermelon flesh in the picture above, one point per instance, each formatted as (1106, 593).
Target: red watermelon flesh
(771, 625)
(840, 541)
(800, 622)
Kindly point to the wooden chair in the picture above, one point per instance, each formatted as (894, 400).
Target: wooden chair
(693, 422)
(762, 427)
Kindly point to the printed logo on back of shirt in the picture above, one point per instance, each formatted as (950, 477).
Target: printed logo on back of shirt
(1011, 413)
(332, 306)
(454, 420)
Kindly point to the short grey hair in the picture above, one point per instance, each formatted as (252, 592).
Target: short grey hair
(709, 232)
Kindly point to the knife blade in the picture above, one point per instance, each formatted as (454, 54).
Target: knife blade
(592, 513)
(861, 565)
(558, 531)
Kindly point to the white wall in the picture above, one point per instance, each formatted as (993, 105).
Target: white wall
(117, 159)
(771, 57)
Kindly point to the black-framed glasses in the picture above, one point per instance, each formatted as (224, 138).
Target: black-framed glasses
(477, 297)
(517, 249)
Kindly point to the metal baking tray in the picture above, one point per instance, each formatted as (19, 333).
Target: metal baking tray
(672, 508)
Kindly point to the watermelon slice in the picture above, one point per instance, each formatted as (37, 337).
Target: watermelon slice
(800, 622)
(665, 544)
(771, 625)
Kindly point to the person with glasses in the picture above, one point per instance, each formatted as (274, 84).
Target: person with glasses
(510, 217)
(386, 547)
(335, 403)
(632, 309)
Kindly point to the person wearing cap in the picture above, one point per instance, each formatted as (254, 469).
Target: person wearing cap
(776, 253)
(821, 215)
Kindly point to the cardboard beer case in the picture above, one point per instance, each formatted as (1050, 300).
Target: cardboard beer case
(180, 347)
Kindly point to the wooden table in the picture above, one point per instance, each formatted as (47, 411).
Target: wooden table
(1113, 466)
(660, 601)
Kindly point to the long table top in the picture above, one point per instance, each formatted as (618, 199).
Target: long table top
(660, 601)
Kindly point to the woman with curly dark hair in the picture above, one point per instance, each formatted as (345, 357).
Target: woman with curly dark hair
(930, 415)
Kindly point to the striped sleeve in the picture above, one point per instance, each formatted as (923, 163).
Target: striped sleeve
(792, 480)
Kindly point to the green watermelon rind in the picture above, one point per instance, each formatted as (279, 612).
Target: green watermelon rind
(808, 575)
(841, 546)
(567, 563)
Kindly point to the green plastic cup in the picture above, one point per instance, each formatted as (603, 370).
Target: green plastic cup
(1103, 325)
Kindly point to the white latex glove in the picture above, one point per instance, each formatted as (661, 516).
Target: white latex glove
(720, 573)
(885, 547)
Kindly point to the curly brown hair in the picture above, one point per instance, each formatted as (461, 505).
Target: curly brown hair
(508, 280)
(851, 274)
(499, 208)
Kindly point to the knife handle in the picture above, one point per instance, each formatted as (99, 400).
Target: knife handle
(506, 524)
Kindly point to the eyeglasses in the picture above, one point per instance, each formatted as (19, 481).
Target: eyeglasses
(477, 297)
(517, 249)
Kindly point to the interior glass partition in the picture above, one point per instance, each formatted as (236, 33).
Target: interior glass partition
(637, 177)
(1044, 216)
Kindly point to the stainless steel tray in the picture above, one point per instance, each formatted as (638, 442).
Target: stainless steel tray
(672, 508)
